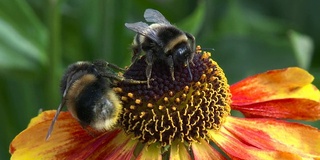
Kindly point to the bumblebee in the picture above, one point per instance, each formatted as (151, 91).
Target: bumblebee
(161, 41)
(87, 92)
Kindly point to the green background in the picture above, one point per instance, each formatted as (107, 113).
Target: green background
(39, 38)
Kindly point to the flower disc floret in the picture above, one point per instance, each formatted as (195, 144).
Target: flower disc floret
(182, 109)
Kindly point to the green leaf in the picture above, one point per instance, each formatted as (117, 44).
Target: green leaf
(234, 20)
(23, 38)
(303, 48)
(194, 21)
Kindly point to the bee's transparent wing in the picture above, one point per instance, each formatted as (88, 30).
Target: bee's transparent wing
(144, 29)
(151, 15)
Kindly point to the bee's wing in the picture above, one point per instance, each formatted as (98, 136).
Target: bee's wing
(144, 29)
(151, 15)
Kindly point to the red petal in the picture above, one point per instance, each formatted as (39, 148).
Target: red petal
(275, 85)
(121, 147)
(267, 134)
(299, 109)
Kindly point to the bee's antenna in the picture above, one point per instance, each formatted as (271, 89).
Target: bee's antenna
(57, 113)
(189, 70)
(212, 49)
(54, 120)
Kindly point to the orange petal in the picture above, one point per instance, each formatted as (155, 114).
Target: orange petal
(68, 140)
(299, 109)
(203, 150)
(178, 151)
(150, 152)
(276, 135)
(274, 85)
(239, 150)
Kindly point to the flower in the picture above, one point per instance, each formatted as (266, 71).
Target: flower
(181, 119)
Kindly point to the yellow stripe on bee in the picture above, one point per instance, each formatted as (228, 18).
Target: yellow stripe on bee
(175, 41)
(111, 122)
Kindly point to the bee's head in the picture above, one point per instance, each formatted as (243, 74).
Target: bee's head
(181, 54)
(75, 72)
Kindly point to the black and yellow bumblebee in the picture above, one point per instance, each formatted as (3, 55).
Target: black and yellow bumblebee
(161, 41)
(87, 92)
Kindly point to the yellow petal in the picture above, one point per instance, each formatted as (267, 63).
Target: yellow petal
(276, 135)
(178, 151)
(236, 149)
(68, 140)
(150, 152)
(203, 150)
(31, 143)
(274, 85)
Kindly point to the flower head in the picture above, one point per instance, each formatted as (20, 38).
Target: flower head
(179, 119)
(181, 110)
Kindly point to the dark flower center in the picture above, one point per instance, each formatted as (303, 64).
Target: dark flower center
(183, 109)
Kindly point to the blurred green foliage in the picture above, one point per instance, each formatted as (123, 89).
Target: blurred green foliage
(38, 39)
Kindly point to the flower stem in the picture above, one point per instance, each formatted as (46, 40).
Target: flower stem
(54, 52)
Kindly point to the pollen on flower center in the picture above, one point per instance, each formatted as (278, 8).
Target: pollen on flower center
(183, 109)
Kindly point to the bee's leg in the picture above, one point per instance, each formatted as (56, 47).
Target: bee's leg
(122, 79)
(171, 66)
(132, 81)
(193, 47)
(113, 66)
(134, 58)
(149, 61)
(104, 64)
(136, 48)
(188, 66)
(85, 127)
(192, 40)
(190, 60)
